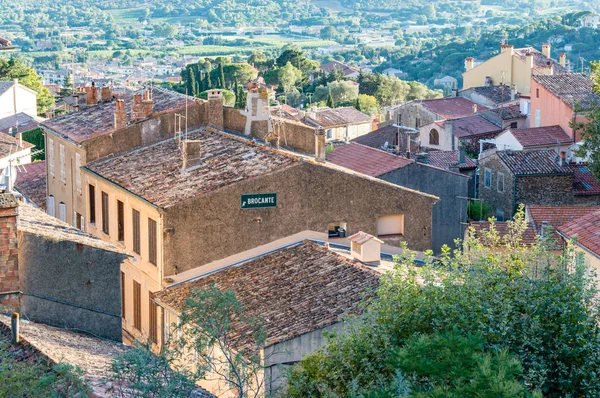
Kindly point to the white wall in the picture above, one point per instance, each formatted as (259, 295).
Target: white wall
(25, 102)
(507, 141)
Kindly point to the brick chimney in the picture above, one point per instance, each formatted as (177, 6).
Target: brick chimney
(469, 63)
(215, 108)
(320, 145)
(148, 104)
(137, 108)
(562, 59)
(9, 255)
(105, 94)
(91, 95)
(546, 50)
(120, 114)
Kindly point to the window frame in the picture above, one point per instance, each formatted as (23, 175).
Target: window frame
(62, 163)
(51, 156)
(137, 305)
(487, 172)
(123, 306)
(105, 213)
(92, 203)
(437, 137)
(500, 176)
(152, 241)
(120, 221)
(136, 231)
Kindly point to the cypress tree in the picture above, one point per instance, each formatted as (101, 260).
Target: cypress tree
(357, 105)
(330, 102)
(208, 82)
(191, 82)
(222, 75)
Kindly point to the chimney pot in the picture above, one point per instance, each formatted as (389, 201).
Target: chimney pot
(469, 63)
(320, 145)
(546, 50)
(120, 114)
(562, 59)
(474, 108)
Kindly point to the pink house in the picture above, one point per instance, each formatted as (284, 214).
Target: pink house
(556, 100)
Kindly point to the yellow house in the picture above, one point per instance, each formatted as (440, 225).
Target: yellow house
(513, 67)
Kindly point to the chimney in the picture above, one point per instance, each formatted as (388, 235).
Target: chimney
(120, 114)
(137, 108)
(454, 93)
(529, 60)
(546, 50)
(561, 158)
(148, 104)
(474, 108)
(192, 154)
(562, 59)
(105, 94)
(215, 108)
(488, 81)
(469, 63)
(462, 153)
(320, 145)
(506, 47)
(513, 92)
(548, 68)
(365, 248)
(9, 278)
(19, 137)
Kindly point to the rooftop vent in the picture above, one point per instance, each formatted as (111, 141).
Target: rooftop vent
(365, 248)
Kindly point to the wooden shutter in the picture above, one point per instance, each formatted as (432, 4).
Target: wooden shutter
(105, 216)
(122, 294)
(136, 231)
(120, 221)
(92, 200)
(153, 333)
(137, 305)
(152, 241)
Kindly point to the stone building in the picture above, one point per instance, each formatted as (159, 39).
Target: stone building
(55, 274)
(509, 178)
(179, 204)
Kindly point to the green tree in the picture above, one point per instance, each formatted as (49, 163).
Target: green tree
(590, 130)
(330, 103)
(367, 104)
(328, 33)
(222, 82)
(288, 76)
(67, 86)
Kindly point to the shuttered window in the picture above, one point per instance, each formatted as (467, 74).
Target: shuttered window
(153, 332)
(152, 241)
(50, 151)
(136, 231)
(122, 294)
(51, 205)
(120, 221)
(78, 171)
(105, 219)
(63, 172)
(137, 305)
(62, 212)
(92, 200)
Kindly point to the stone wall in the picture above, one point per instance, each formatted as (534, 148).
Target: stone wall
(502, 201)
(545, 190)
(292, 135)
(309, 197)
(9, 256)
(233, 119)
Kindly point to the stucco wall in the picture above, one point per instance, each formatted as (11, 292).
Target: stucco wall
(71, 273)
(494, 68)
(309, 197)
(25, 102)
(450, 211)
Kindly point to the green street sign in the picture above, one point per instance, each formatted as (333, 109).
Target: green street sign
(259, 200)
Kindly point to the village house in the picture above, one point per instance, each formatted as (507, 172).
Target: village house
(450, 134)
(513, 67)
(506, 116)
(347, 70)
(491, 96)
(186, 201)
(16, 98)
(14, 151)
(583, 234)
(531, 139)
(343, 123)
(561, 100)
(31, 183)
(19, 123)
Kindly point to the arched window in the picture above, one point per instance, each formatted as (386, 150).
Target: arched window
(434, 137)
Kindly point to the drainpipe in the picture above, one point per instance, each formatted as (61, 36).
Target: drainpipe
(515, 193)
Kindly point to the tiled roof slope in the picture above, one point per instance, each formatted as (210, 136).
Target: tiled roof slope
(35, 221)
(528, 238)
(330, 66)
(450, 108)
(389, 134)
(556, 216)
(154, 172)
(22, 121)
(505, 112)
(443, 160)
(99, 120)
(31, 182)
(584, 182)
(496, 94)
(539, 60)
(586, 230)
(472, 126)
(571, 88)
(541, 136)
(328, 117)
(533, 162)
(295, 290)
(366, 160)
(9, 145)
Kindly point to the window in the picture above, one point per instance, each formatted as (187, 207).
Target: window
(92, 200)
(417, 123)
(153, 332)
(51, 156)
(329, 133)
(135, 215)
(513, 125)
(537, 93)
(120, 221)
(63, 172)
(51, 206)
(538, 118)
(434, 137)
(62, 212)
(500, 183)
(78, 221)
(137, 305)
(152, 241)
(488, 178)
(390, 225)
(499, 215)
(105, 219)
(122, 294)
(78, 172)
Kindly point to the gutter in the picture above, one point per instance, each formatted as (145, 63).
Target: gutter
(568, 239)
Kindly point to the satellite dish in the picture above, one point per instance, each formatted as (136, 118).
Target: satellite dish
(8, 177)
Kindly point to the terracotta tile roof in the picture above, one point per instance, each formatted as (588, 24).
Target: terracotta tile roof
(295, 290)
(388, 134)
(330, 66)
(9, 145)
(31, 182)
(443, 160)
(450, 108)
(154, 172)
(556, 216)
(505, 112)
(473, 126)
(533, 162)
(541, 136)
(571, 88)
(366, 160)
(328, 117)
(539, 60)
(584, 182)
(586, 230)
(496, 94)
(99, 120)
(21, 121)
(35, 221)
(529, 236)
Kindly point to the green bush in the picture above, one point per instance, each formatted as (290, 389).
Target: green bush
(478, 210)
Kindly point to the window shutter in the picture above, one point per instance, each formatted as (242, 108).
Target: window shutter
(78, 171)
(136, 231)
(152, 241)
(51, 206)
(137, 305)
(62, 212)
(51, 156)
(63, 173)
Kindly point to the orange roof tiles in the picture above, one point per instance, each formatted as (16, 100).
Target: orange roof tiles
(585, 230)
(366, 160)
